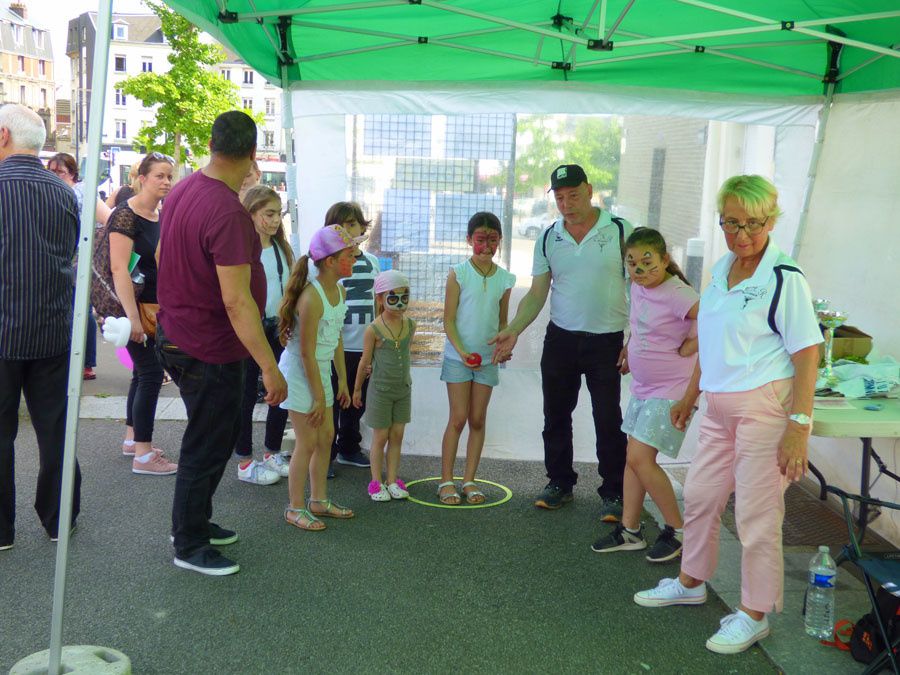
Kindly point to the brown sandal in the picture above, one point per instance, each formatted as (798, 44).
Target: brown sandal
(296, 516)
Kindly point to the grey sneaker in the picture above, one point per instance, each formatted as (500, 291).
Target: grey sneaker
(553, 496)
(611, 509)
(667, 546)
(620, 539)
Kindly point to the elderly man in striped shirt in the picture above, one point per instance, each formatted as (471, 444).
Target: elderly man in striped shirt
(38, 236)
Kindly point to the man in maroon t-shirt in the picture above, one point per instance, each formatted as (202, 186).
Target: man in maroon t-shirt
(212, 290)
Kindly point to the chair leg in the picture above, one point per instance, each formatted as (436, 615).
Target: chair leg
(888, 653)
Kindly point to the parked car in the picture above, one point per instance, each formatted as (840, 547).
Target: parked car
(532, 226)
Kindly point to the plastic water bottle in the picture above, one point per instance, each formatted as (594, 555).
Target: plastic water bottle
(819, 619)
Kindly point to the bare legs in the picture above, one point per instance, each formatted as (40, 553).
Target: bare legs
(643, 475)
(468, 405)
(392, 437)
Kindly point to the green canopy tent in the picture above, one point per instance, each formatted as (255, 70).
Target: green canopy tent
(787, 51)
(771, 47)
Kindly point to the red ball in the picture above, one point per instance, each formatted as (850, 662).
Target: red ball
(474, 359)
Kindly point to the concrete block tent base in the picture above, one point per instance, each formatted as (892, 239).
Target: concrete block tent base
(77, 660)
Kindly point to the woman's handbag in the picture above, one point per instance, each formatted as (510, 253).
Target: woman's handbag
(103, 290)
(148, 311)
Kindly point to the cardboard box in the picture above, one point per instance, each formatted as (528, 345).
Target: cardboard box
(849, 341)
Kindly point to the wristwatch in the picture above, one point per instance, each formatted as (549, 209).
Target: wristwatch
(801, 418)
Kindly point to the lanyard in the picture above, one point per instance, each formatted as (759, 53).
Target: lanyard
(279, 266)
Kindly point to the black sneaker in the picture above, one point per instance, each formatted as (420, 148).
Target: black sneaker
(219, 536)
(330, 470)
(667, 546)
(208, 561)
(620, 539)
(553, 496)
(6, 545)
(611, 509)
(357, 458)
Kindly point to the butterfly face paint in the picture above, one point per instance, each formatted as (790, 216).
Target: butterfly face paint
(646, 267)
(397, 301)
(485, 241)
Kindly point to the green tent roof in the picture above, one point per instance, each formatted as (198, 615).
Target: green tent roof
(761, 47)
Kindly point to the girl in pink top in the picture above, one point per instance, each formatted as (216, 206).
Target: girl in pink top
(661, 354)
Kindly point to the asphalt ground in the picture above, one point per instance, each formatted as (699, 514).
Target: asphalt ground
(400, 588)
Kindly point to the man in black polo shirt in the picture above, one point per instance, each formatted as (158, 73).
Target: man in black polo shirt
(38, 236)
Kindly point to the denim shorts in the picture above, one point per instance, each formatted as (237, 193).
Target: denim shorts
(455, 372)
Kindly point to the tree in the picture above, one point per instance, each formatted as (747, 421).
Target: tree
(190, 96)
(546, 141)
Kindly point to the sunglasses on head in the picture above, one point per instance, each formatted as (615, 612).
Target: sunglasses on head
(162, 158)
(393, 298)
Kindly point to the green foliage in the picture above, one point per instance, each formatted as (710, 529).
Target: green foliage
(544, 142)
(190, 95)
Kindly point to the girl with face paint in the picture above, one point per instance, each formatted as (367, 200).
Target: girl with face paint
(476, 305)
(388, 402)
(660, 354)
(311, 316)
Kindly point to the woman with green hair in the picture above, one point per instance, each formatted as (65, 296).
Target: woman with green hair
(759, 350)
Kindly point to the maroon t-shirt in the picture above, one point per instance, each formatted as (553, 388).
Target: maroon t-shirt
(203, 226)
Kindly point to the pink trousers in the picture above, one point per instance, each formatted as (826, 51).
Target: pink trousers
(738, 452)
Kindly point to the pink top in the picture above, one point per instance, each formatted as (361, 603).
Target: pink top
(204, 226)
(658, 327)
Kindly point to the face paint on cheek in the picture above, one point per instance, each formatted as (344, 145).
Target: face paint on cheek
(345, 266)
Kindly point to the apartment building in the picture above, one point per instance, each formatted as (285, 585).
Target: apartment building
(259, 96)
(138, 45)
(26, 65)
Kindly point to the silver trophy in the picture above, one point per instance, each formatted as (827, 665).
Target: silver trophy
(831, 319)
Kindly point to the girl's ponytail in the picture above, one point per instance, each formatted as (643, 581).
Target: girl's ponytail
(675, 271)
(295, 285)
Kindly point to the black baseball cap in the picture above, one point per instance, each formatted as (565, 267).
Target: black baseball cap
(567, 175)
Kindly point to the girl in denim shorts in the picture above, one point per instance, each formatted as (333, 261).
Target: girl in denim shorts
(475, 309)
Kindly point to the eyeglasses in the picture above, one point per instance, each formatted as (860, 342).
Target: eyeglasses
(394, 298)
(751, 227)
(161, 157)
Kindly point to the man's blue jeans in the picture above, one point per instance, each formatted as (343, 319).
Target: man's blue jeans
(212, 396)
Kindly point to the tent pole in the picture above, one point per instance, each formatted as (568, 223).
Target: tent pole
(813, 169)
(79, 327)
(290, 174)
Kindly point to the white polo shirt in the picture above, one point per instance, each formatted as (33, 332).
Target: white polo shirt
(738, 349)
(587, 288)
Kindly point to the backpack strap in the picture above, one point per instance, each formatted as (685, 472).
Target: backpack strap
(776, 296)
(621, 225)
(544, 236)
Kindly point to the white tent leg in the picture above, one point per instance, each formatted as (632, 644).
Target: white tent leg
(813, 169)
(79, 328)
(290, 173)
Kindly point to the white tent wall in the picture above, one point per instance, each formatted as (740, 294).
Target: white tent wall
(849, 253)
(857, 180)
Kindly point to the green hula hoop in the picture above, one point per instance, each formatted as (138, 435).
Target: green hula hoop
(507, 495)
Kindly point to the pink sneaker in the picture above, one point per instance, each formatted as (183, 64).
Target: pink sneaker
(156, 466)
(378, 492)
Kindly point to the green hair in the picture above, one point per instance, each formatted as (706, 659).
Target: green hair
(757, 196)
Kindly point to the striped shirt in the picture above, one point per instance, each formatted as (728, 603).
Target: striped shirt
(38, 237)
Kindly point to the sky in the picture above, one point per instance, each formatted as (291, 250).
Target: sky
(54, 15)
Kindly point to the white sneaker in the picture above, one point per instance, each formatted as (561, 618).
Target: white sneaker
(277, 462)
(398, 490)
(737, 632)
(258, 474)
(671, 592)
